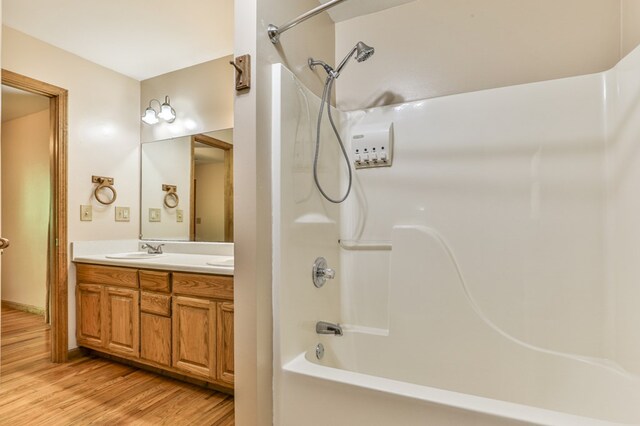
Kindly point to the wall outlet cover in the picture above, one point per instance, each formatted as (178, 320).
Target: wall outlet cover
(179, 215)
(154, 215)
(122, 214)
(86, 213)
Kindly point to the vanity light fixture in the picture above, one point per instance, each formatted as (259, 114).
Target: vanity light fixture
(167, 113)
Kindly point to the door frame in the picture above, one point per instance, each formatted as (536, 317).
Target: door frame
(228, 184)
(58, 268)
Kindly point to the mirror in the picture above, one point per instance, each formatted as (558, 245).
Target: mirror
(187, 188)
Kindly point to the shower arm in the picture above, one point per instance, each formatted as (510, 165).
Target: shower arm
(275, 31)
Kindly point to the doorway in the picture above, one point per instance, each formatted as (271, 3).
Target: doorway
(211, 188)
(55, 303)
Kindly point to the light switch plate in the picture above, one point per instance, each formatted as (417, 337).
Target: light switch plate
(179, 215)
(154, 215)
(86, 213)
(122, 214)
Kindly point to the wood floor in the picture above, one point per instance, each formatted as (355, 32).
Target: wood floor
(90, 390)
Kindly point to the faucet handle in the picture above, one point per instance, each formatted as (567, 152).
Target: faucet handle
(151, 249)
(320, 273)
(328, 273)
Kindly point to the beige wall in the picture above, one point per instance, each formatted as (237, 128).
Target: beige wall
(210, 184)
(431, 48)
(103, 132)
(630, 32)
(25, 208)
(202, 96)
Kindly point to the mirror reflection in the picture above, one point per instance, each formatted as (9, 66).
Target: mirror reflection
(187, 188)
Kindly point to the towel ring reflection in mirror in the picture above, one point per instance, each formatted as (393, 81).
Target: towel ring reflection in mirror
(171, 199)
(104, 183)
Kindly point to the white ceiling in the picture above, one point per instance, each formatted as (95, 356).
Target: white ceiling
(17, 103)
(353, 8)
(139, 38)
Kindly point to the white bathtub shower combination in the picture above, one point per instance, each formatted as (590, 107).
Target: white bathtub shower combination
(509, 293)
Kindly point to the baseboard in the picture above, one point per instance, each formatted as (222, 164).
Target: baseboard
(22, 307)
(76, 353)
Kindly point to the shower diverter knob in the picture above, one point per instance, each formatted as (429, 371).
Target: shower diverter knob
(320, 273)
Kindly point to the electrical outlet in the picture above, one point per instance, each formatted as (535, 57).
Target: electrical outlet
(154, 215)
(122, 214)
(179, 215)
(86, 213)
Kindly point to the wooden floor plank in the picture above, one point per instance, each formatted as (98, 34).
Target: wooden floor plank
(91, 390)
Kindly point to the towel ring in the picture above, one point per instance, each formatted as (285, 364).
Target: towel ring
(104, 183)
(171, 199)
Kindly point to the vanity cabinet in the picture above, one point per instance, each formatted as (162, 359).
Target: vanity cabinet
(89, 328)
(202, 308)
(108, 314)
(121, 318)
(175, 321)
(194, 336)
(224, 342)
(155, 339)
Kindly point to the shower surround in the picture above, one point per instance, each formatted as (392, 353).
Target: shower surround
(509, 293)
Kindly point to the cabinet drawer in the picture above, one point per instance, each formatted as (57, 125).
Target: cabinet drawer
(215, 286)
(155, 281)
(155, 303)
(109, 275)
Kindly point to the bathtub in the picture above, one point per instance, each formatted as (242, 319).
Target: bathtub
(456, 362)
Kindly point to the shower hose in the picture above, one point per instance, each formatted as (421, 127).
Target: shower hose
(326, 100)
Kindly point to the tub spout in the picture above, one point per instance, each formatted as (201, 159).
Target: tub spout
(323, 327)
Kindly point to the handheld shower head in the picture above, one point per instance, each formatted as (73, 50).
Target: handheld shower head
(362, 53)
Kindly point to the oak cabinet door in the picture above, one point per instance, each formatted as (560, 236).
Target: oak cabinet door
(122, 319)
(194, 336)
(89, 328)
(225, 372)
(155, 338)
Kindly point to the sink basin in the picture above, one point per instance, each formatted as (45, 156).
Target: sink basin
(221, 261)
(134, 255)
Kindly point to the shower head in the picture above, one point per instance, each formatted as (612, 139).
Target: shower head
(362, 53)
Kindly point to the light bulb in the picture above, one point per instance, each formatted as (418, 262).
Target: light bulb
(167, 113)
(150, 116)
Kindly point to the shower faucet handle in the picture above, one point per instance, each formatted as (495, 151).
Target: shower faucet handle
(320, 273)
(328, 273)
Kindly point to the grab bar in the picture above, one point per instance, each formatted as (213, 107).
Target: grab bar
(355, 245)
(274, 31)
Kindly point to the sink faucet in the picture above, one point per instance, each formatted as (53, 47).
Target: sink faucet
(323, 327)
(152, 249)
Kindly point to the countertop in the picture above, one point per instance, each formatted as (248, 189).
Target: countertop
(168, 261)
(177, 256)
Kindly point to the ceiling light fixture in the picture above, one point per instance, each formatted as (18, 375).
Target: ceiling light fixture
(167, 113)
